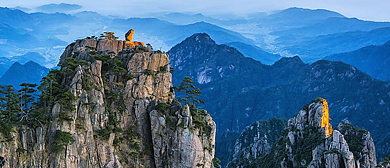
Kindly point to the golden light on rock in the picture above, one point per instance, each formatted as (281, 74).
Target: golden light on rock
(325, 118)
(129, 40)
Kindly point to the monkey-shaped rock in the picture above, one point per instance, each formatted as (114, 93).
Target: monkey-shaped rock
(129, 42)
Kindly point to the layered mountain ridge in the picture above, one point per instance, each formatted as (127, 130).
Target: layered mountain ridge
(374, 60)
(240, 90)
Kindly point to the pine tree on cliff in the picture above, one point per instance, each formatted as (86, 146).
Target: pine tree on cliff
(9, 109)
(191, 92)
(49, 87)
(109, 35)
(27, 96)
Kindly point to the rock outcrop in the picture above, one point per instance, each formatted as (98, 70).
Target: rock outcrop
(257, 139)
(304, 143)
(385, 162)
(115, 108)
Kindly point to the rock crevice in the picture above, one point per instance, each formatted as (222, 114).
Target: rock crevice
(116, 109)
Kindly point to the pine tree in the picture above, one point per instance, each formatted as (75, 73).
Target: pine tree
(9, 109)
(49, 88)
(109, 35)
(27, 97)
(191, 92)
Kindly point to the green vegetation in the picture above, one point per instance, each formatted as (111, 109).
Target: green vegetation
(92, 37)
(384, 161)
(110, 127)
(9, 109)
(71, 63)
(149, 72)
(354, 138)
(109, 36)
(333, 150)
(162, 106)
(216, 163)
(301, 150)
(66, 100)
(26, 96)
(93, 52)
(111, 65)
(191, 92)
(61, 140)
(20, 150)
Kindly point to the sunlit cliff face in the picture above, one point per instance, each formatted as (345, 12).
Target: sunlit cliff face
(129, 42)
(325, 119)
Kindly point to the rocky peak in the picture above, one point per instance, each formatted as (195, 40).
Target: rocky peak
(385, 162)
(288, 61)
(257, 139)
(114, 108)
(305, 143)
(210, 62)
(200, 38)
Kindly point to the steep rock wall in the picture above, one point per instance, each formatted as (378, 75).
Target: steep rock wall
(117, 106)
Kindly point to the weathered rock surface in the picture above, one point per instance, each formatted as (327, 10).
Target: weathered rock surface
(385, 162)
(257, 139)
(123, 114)
(303, 144)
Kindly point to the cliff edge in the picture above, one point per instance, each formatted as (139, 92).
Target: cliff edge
(110, 106)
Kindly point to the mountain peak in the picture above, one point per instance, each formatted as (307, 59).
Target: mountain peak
(305, 137)
(295, 60)
(197, 38)
(323, 12)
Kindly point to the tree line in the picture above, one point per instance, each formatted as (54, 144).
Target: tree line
(28, 105)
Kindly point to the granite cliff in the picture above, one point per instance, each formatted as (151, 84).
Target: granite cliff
(305, 143)
(110, 106)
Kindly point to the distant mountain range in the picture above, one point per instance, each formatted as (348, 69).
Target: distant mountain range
(5, 63)
(41, 32)
(311, 34)
(29, 72)
(255, 52)
(295, 17)
(333, 25)
(240, 90)
(373, 60)
(62, 7)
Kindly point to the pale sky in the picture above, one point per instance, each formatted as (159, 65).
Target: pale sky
(376, 10)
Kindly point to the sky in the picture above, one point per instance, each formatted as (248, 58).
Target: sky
(375, 10)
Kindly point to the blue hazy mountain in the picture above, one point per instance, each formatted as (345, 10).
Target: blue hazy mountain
(334, 25)
(5, 63)
(295, 17)
(13, 37)
(42, 24)
(255, 52)
(24, 9)
(313, 34)
(373, 60)
(183, 18)
(16, 18)
(39, 32)
(173, 34)
(315, 48)
(30, 56)
(62, 7)
(29, 72)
